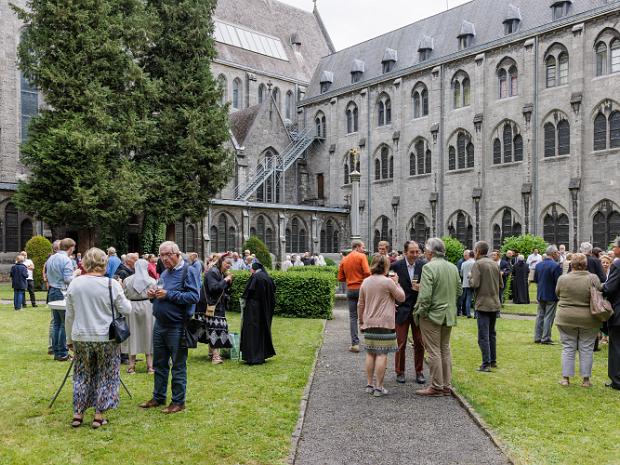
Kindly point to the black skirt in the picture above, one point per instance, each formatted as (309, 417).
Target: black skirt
(216, 332)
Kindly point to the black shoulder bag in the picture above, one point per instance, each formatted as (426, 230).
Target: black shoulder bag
(193, 328)
(119, 329)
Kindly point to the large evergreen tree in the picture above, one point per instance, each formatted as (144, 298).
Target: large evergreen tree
(186, 161)
(86, 57)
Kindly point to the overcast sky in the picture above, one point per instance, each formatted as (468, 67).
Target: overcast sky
(353, 21)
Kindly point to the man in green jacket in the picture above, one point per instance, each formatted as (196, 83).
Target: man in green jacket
(486, 281)
(435, 314)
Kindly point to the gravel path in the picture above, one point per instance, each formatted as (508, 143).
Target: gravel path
(344, 425)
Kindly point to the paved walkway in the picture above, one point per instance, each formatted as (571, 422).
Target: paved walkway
(344, 425)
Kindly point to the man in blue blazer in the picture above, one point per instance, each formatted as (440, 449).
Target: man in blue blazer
(409, 271)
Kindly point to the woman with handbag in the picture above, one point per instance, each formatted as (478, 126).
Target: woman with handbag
(217, 286)
(141, 319)
(577, 326)
(93, 304)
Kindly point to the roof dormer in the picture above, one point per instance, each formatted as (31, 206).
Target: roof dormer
(466, 35)
(512, 19)
(390, 57)
(425, 48)
(327, 79)
(295, 41)
(357, 70)
(560, 8)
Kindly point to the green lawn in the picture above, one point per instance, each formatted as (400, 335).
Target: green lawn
(6, 293)
(540, 422)
(529, 309)
(235, 413)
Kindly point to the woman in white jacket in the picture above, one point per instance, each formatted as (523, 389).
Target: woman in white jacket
(96, 376)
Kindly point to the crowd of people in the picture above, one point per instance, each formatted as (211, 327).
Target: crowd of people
(417, 291)
(403, 291)
(158, 295)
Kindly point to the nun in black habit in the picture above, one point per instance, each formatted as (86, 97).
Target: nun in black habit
(260, 301)
(520, 293)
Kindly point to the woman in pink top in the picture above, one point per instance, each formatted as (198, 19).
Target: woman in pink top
(376, 310)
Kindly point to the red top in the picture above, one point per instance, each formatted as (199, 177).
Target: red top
(353, 269)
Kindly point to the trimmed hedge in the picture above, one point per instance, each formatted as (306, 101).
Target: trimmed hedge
(258, 248)
(524, 244)
(314, 269)
(298, 295)
(38, 249)
(454, 249)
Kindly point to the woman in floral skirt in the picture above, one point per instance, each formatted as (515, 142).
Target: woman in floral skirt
(96, 376)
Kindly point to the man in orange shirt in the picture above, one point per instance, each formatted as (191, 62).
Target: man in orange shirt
(353, 270)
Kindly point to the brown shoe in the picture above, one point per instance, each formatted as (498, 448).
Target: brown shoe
(447, 391)
(150, 404)
(430, 392)
(174, 408)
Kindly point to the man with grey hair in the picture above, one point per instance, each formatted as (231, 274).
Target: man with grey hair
(594, 264)
(435, 314)
(174, 302)
(353, 270)
(126, 268)
(546, 277)
(611, 290)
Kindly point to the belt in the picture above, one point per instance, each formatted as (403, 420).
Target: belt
(139, 300)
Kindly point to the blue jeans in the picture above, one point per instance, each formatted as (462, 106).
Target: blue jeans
(487, 340)
(353, 296)
(467, 299)
(19, 298)
(544, 320)
(59, 338)
(169, 354)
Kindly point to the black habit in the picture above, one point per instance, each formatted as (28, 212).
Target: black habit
(260, 301)
(520, 294)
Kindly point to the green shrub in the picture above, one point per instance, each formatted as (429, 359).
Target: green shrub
(507, 289)
(524, 244)
(454, 249)
(38, 249)
(299, 295)
(330, 262)
(258, 248)
(315, 269)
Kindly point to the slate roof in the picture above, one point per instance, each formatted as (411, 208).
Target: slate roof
(441, 32)
(279, 20)
(241, 122)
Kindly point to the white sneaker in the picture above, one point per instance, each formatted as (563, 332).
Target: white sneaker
(370, 389)
(380, 392)
(354, 348)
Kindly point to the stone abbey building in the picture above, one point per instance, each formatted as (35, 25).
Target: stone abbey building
(494, 118)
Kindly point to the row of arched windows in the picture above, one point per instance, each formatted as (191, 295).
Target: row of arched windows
(384, 165)
(237, 101)
(556, 229)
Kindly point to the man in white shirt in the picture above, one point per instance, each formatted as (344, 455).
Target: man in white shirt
(467, 290)
(532, 260)
(30, 267)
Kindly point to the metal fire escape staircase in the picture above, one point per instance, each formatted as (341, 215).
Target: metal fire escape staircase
(277, 165)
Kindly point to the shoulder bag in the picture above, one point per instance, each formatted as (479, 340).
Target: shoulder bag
(119, 329)
(193, 328)
(600, 308)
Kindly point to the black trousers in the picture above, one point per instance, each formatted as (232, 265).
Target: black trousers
(613, 361)
(33, 298)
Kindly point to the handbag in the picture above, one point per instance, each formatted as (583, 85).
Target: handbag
(600, 308)
(211, 308)
(119, 329)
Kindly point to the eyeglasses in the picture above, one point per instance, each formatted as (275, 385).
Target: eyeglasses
(164, 255)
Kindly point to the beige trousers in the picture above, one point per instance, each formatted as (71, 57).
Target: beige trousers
(437, 344)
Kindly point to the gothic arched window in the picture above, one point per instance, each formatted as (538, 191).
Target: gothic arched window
(556, 227)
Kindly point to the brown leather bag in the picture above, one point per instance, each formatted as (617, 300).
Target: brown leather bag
(600, 308)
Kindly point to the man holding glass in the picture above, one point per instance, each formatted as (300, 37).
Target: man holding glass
(409, 270)
(174, 301)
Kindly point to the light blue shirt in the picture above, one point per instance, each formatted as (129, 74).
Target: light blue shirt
(465, 270)
(113, 263)
(59, 270)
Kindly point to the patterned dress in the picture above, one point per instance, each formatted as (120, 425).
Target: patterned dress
(96, 376)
